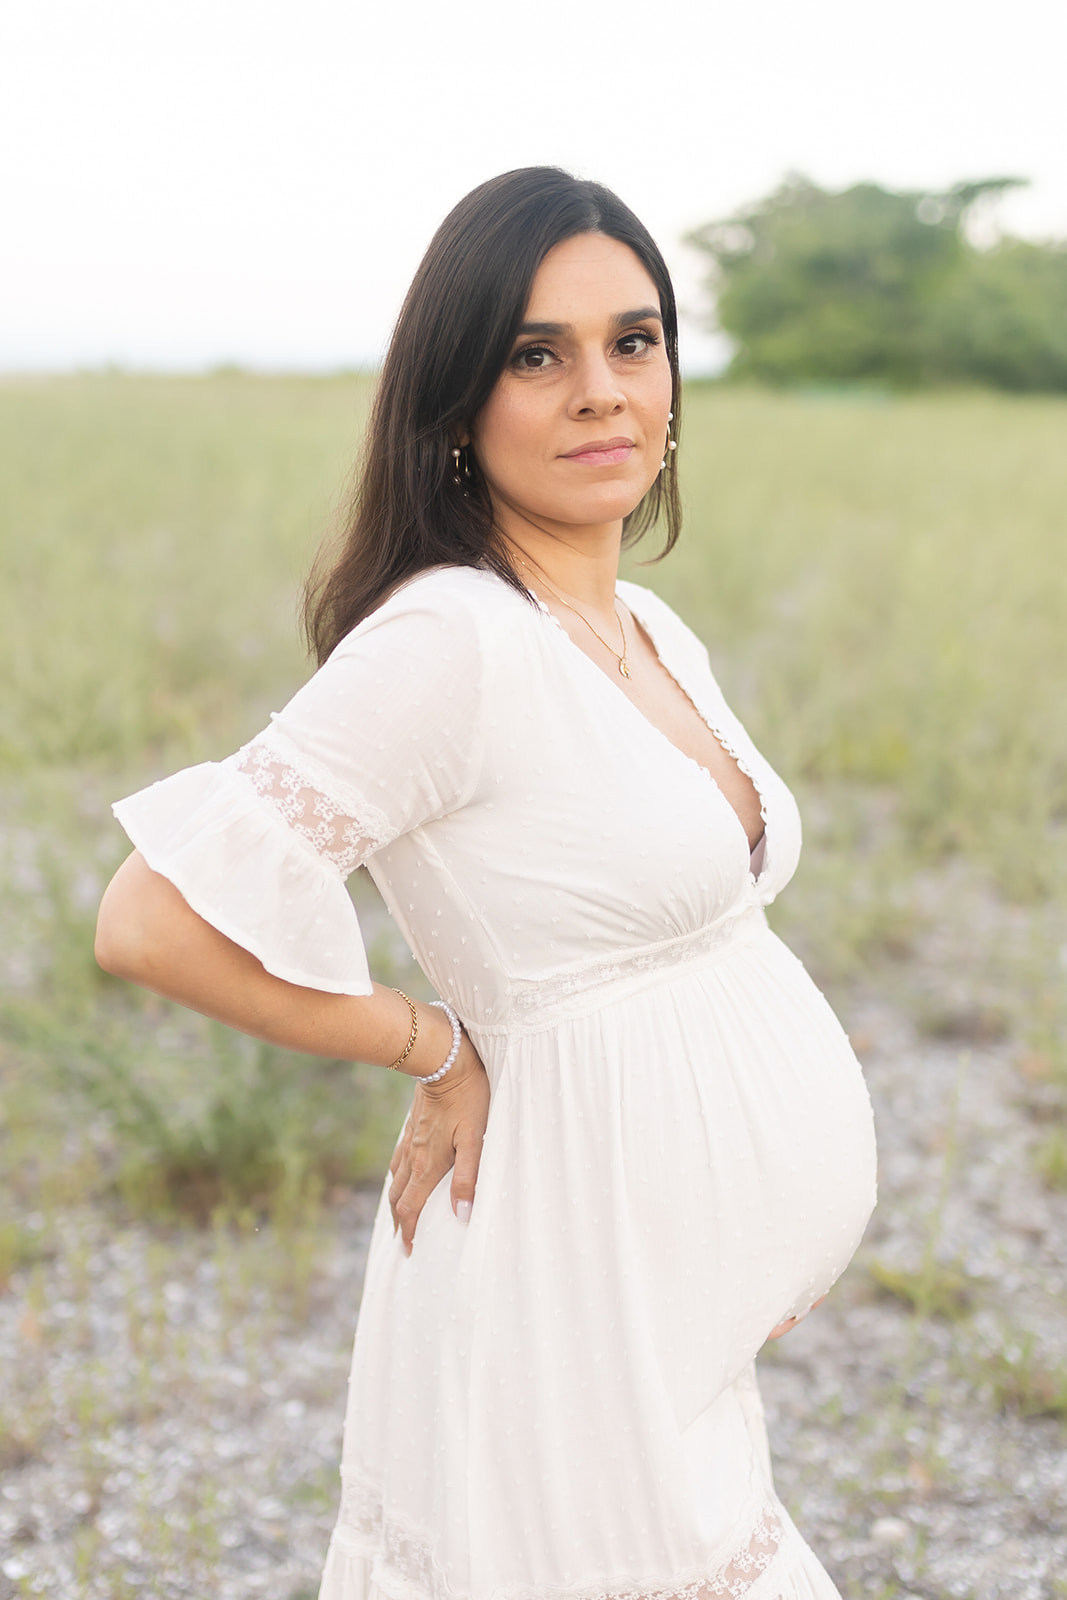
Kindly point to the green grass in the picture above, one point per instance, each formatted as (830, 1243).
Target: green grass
(1050, 1159)
(154, 535)
(881, 587)
(1022, 1378)
(937, 1290)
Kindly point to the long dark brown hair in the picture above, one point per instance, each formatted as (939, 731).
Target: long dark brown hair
(452, 340)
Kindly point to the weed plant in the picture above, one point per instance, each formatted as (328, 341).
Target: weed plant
(1020, 1377)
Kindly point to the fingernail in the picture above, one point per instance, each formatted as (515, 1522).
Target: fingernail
(463, 1211)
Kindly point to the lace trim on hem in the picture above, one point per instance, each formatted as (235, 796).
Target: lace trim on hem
(341, 828)
(405, 1561)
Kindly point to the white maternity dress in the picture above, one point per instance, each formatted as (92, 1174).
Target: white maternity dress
(556, 1402)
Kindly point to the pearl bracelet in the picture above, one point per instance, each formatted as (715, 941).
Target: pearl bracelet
(457, 1039)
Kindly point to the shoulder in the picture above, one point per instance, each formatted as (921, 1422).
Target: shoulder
(660, 621)
(646, 602)
(465, 607)
(476, 593)
(682, 652)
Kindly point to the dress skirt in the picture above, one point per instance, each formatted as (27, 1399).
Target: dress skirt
(560, 1400)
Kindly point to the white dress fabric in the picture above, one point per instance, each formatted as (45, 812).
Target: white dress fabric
(558, 1401)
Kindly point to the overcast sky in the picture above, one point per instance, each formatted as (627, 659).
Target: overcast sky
(187, 182)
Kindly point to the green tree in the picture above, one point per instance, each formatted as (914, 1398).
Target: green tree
(869, 285)
(1002, 320)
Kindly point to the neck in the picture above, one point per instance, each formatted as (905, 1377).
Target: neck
(582, 563)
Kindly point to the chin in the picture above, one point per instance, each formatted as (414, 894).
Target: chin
(610, 504)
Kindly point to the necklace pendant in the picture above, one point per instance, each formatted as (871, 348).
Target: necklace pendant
(624, 667)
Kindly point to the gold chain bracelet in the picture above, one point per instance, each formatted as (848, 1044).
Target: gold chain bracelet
(396, 1065)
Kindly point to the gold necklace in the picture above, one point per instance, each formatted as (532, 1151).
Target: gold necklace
(624, 666)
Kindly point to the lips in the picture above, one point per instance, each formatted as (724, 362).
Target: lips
(602, 452)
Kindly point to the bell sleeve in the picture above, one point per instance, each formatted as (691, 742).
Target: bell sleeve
(385, 738)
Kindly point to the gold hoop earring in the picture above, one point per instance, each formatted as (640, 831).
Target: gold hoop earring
(459, 455)
(672, 444)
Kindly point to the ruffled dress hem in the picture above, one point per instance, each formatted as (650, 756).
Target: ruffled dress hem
(773, 1563)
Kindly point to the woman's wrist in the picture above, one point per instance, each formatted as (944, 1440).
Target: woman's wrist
(457, 1039)
(429, 1040)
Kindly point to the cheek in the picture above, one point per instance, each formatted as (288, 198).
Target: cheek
(662, 390)
(509, 433)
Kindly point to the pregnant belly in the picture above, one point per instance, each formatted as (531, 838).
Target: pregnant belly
(697, 1161)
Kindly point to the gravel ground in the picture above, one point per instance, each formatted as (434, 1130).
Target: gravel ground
(900, 1441)
(173, 1401)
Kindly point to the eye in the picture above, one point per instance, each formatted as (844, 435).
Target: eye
(637, 343)
(533, 358)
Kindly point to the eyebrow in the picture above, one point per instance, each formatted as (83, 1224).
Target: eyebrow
(556, 330)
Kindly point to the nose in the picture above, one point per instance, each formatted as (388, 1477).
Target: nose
(596, 391)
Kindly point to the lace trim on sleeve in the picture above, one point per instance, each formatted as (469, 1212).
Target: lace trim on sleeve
(341, 827)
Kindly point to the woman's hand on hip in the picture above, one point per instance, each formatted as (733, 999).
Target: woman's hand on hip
(444, 1131)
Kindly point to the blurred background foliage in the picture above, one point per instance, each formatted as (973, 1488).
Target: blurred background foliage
(868, 285)
(874, 560)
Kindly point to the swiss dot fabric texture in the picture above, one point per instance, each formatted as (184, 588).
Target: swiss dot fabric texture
(558, 1400)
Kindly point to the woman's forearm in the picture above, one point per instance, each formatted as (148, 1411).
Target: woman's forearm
(149, 935)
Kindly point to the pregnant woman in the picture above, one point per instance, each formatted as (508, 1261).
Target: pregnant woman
(660, 1143)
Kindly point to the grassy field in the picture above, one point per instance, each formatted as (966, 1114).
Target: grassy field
(881, 586)
(881, 583)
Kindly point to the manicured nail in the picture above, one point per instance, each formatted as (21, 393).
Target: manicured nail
(463, 1211)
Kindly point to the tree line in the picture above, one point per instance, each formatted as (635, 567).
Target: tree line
(869, 285)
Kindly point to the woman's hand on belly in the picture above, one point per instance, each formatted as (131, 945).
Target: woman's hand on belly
(444, 1131)
(791, 1322)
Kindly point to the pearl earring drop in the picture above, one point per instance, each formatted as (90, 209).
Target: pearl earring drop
(672, 444)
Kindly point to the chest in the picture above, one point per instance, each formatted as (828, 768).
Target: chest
(590, 827)
(654, 693)
(591, 831)
(660, 700)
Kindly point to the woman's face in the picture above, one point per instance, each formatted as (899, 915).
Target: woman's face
(575, 430)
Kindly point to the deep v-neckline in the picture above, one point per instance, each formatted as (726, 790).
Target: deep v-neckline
(759, 848)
